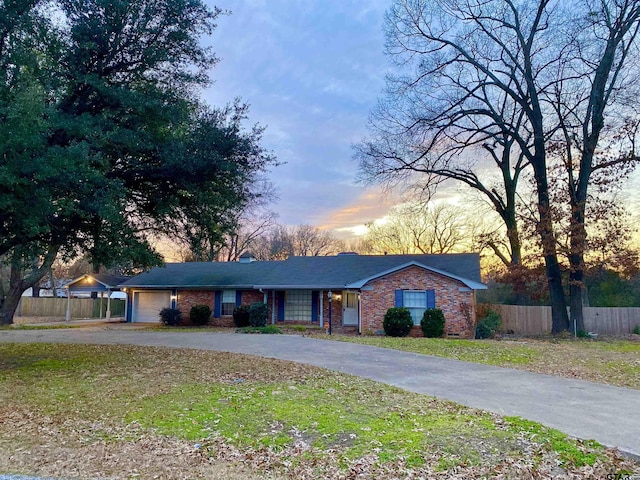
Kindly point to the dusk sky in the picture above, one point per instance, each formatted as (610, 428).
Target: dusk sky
(311, 71)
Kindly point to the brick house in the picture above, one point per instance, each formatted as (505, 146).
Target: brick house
(351, 291)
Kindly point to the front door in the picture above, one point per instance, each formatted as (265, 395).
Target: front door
(350, 309)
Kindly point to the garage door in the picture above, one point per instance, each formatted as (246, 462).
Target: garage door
(147, 305)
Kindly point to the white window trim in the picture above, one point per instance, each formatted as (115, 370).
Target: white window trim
(223, 303)
(416, 321)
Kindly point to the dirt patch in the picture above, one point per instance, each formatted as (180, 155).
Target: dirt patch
(37, 445)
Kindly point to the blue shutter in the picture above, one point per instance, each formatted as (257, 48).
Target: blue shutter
(280, 306)
(217, 304)
(431, 298)
(314, 306)
(399, 299)
(129, 313)
(238, 298)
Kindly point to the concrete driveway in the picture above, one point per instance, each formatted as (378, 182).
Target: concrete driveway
(610, 415)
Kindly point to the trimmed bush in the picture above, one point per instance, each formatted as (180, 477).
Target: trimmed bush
(200, 314)
(636, 330)
(432, 323)
(397, 322)
(241, 316)
(258, 313)
(489, 325)
(269, 330)
(170, 316)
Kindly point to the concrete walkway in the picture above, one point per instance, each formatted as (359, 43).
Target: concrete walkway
(610, 415)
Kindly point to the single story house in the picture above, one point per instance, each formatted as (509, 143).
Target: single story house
(351, 291)
(98, 283)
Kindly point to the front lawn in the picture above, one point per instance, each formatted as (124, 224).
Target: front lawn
(123, 412)
(615, 362)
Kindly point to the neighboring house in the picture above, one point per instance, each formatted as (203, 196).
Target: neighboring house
(359, 289)
(103, 285)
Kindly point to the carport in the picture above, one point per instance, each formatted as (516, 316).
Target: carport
(90, 283)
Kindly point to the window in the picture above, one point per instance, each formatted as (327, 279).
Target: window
(297, 305)
(228, 302)
(417, 301)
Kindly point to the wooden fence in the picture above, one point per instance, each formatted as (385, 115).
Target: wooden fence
(537, 320)
(57, 307)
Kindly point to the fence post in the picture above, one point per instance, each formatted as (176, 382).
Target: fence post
(68, 315)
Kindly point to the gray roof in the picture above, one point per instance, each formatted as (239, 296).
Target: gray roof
(110, 280)
(204, 275)
(341, 271)
(107, 280)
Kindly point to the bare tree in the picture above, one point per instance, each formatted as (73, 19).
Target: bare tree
(500, 75)
(216, 237)
(282, 242)
(412, 228)
(248, 231)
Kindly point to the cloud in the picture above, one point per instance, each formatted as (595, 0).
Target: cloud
(369, 206)
(311, 71)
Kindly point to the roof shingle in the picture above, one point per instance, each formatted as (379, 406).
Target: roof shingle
(301, 272)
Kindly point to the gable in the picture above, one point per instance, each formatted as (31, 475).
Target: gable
(419, 268)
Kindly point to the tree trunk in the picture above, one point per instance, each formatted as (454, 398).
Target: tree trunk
(10, 304)
(559, 317)
(19, 283)
(578, 239)
(54, 285)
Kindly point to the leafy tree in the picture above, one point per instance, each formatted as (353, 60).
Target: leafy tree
(216, 214)
(110, 143)
(611, 288)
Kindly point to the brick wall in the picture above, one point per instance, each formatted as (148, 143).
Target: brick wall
(336, 309)
(189, 298)
(456, 305)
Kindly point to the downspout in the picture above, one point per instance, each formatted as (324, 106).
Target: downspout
(359, 313)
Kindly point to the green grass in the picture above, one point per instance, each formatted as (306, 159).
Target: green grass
(491, 353)
(269, 329)
(614, 362)
(254, 404)
(255, 415)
